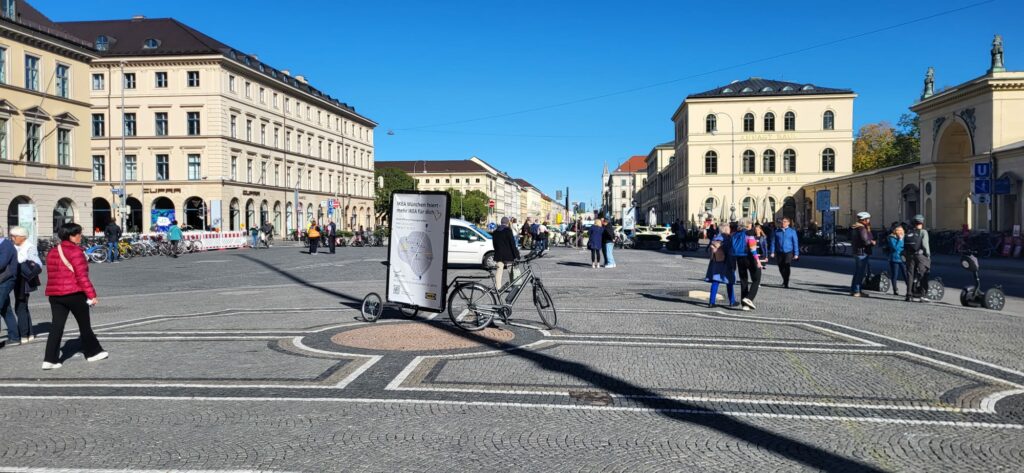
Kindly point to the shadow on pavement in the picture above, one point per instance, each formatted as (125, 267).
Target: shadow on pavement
(681, 411)
(574, 263)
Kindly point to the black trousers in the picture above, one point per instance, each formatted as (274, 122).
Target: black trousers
(76, 305)
(595, 256)
(331, 242)
(785, 262)
(917, 267)
(750, 277)
(313, 242)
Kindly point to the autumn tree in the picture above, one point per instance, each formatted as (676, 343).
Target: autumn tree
(879, 145)
(394, 180)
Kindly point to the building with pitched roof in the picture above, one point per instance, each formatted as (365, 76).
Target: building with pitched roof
(744, 149)
(620, 188)
(651, 197)
(44, 130)
(215, 137)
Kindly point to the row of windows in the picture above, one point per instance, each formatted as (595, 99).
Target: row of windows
(161, 126)
(34, 137)
(334, 151)
(446, 181)
(750, 205)
(354, 185)
(295, 108)
(162, 167)
(33, 73)
(768, 161)
(160, 81)
(828, 122)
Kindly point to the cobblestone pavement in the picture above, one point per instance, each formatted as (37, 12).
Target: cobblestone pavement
(258, 360)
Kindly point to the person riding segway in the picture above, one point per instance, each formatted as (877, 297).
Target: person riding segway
(917, 256)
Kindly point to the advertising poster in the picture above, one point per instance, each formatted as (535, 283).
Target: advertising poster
(418, 249)
(161, 219)
(27, 219)
(628, 218)
(215, 219)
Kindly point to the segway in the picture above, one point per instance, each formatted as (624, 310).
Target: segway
(876, 281)
(973, 296)
(934, 289)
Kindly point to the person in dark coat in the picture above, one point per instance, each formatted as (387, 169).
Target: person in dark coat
(331, 231)
(721, 266)
(112, 233)
(505, 251)
(8, 278)
(609, 244)
(594, 243)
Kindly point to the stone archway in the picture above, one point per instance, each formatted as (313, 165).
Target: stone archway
(63, 212)
(12, 210)
(951, 177)
(101, 214)
(911, 198)
(195, 213)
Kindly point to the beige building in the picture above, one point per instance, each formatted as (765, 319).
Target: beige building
(651, 197)
(213, 136)
(746, 148)
(980, 121)
(621, 188)
(531, 201)
(44, 129)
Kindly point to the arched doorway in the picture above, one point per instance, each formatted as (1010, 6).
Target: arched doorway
(289, 221)
(12, 210)
(942, 204)
(63, 212)
(264, 212)
(101, 214)
(233, 214)
(1008, 206)
(276, 220)
(250, 213)
(195, 213)
(309, 214)
(789, 208)
(133, 221)
(162, 213)
(911, 196)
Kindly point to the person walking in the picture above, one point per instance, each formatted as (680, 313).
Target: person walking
(917, 253)
(112, 232)
(786, 249)
(8, 278)
(313, 235)
(594, 243)
(543, 236)
(29, 269)
(69, 290)
(174, 236)
(721, 267)
(897, 267)
(505, 251)
(254, 237)
(863, 242)
(516, 228)
(332, 234)
(608, 240)
(748, 262)
(524, 234)
(267, 232)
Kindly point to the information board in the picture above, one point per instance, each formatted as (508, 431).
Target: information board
(418, 249)
(629, 218)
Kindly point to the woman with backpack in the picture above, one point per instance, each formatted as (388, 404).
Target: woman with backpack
(897, 267)
(721, 267)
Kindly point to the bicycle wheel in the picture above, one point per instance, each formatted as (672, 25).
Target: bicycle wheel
(545, 306)
(372, 307)
(98, 255)
(463, 303)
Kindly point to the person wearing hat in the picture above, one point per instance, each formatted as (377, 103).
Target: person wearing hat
(863, 241)
(505, 250)
(917, 254)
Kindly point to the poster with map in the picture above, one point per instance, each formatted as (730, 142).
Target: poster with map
(418, 249)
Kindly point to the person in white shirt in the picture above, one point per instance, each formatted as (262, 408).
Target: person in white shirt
(25, 285)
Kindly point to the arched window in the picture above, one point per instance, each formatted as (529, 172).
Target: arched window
(151, 44)
(710, 204)
(748, 161)
(748, 206)
(63, 212)
(102, 43)
(769, 121)
(790, 121)
(748, 122)
(710, 124)
(789, 161)
(711, 162)
(768, 166)
(828, 160)
(828, 121)
(773, 206)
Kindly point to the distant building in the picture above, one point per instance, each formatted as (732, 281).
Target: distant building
(652, 206)
(465, 175)
(621, 186)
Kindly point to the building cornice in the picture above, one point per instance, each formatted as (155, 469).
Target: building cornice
(45, 42)
(44, 95)
(972, 88)
(766, 98)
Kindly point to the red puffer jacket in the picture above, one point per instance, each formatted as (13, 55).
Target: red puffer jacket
(61, 281)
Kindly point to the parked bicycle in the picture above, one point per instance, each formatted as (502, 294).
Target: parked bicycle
(473, 306)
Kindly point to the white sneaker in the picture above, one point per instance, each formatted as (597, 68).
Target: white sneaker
(51, 366)
(746, 308)
(99, 356)
(31, 337)
(749, 303)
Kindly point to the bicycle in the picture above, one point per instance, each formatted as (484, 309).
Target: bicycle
(472, 306)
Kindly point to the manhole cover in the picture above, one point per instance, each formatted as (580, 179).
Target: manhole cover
(418, 337)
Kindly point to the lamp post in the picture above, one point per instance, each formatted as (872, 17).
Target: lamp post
(124, 165)
(732, 136)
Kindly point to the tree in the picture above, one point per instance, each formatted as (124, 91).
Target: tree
(472, 205)
(908, 140)
(394, 180)
(874, 145)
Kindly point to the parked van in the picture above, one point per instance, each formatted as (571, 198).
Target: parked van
(469, 244)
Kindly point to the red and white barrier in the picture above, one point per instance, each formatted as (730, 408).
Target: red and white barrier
(208, 240)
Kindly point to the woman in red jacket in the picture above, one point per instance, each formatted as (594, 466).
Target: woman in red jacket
(69, 290)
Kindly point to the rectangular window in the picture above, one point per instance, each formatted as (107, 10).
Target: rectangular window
(234, 126)
(161, 123)
(248, 171)
(263, 172)
(130, 168)
(231, 84)
(163, 165)
(287, 101)
(3, 65)
(248, 87)
(263, 133)
(193, 123)
(99, 127)
(3, 138)
(234, 168)
(277, 172)
(192, 78)
(129, 80)
(99, 168)
(33, 150)
(248, 130)
(277, 132)
(274, 100)
(98, 82)
(63, 147)
(263, 95)
(31, 72)
(194, 167)
(287, 140)
(129, 124)
(161, 79)
(63, 80)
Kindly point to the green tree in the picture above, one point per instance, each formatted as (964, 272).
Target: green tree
(394, 180)
(475, 206)
(874, 146)
(908, 140)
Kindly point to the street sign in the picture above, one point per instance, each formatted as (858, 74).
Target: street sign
(491, 203)
(834, 208)
(982, 186)
(1002, 186)
(982, 198)
(337, 203)
(982, 170)
(824, 199)
(117, 192)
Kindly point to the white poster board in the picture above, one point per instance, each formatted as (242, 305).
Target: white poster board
(628, 218)
(418, 249)
(27, 219)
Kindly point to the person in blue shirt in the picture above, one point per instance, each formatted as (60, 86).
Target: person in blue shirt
(786, 249)
(897, 267)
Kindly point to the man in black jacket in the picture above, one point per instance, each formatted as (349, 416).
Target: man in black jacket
(505, 251)
(113, 233)
(331, 231)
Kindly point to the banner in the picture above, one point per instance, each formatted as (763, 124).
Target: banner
(418, 249)
(215, 215)
(160, 219)
(628, 218)
(27, 219)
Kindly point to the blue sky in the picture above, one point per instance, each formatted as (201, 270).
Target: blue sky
(411, 65)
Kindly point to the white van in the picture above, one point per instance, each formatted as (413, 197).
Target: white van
(469, 244)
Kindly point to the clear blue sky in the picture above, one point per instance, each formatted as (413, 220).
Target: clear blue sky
(412, 63)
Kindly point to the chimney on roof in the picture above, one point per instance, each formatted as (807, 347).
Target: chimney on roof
(138, 17)
(286, 72)
(300, 78)
(254, 57)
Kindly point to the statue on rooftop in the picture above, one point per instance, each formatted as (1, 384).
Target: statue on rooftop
(997, 55)
(929, 83)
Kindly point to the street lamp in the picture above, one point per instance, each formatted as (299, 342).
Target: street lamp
(124, 165)
(732, 136)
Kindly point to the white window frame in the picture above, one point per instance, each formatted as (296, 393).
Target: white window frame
(38, 72)
(131, 167)
(103, 167)
(62, 153)
(58, 90)
(102, 81)
(189, 76)
(156, 80)
(156, 167)
(195, 167)
(166, 123)
(3, 64)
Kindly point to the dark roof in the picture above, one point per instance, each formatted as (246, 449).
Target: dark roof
(667, 144)
(27, 16)
(128, 38)
(417, 167)
(756, 86)
(523, 183)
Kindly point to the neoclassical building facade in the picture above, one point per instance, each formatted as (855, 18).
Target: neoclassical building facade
(214, 136)
(744, 149)
(978, 121)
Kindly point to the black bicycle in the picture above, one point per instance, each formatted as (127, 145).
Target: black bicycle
(473, 306)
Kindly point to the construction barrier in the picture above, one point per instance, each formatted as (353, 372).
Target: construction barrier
(208, 240)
